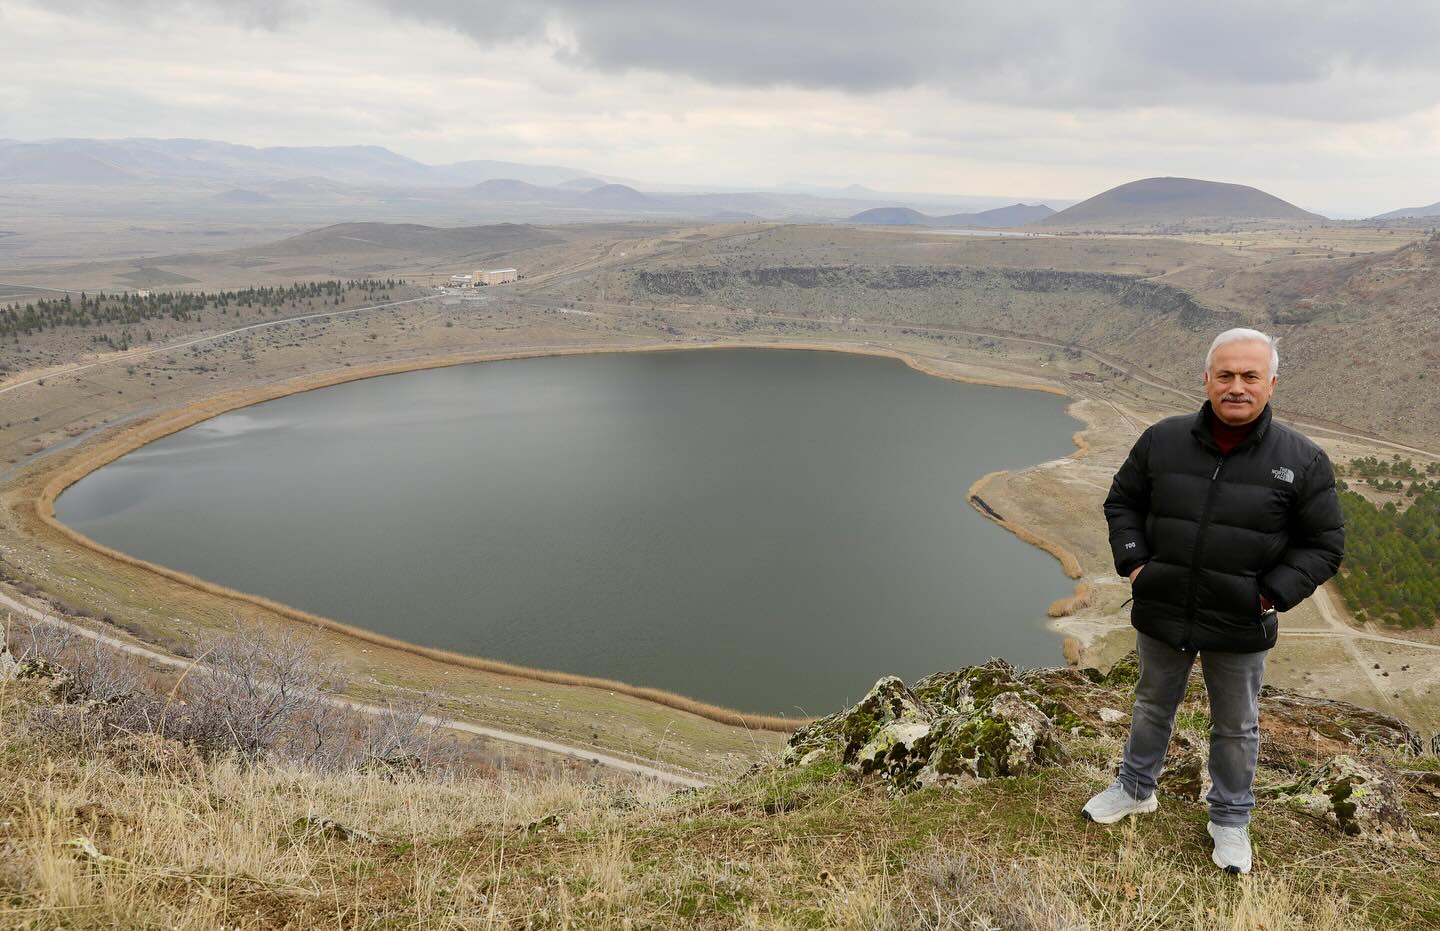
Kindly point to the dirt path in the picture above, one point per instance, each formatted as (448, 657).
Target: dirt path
(134, 354)
(537, 743)
(1348, 636)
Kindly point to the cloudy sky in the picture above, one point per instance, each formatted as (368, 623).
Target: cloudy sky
(1331, 104)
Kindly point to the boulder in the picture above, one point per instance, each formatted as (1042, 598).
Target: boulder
(1358, 797)
(978, 723)
(843, 735)
(1010, 737)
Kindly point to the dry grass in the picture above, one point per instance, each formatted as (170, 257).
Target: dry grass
(151, 837)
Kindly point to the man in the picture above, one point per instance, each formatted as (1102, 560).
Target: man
(1219, 519)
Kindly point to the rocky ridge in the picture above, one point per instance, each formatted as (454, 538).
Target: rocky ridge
(709, 281)
(1330, 760)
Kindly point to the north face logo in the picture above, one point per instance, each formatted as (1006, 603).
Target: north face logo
(1284, 474)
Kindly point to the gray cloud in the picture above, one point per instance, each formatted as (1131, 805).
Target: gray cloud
(1317, 59)
(258, 14)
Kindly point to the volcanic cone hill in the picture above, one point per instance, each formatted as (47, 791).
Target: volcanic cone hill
(1175, 202)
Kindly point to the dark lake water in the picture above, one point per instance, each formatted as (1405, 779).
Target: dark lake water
(769, 530)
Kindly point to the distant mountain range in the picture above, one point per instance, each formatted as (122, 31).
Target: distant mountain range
(335, 182)
(128, 161)
(1159, 202)
(1431, 211)
(408, 238)
(330, 183)
(1013, 215)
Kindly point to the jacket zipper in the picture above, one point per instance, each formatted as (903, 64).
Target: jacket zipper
(1190, 595)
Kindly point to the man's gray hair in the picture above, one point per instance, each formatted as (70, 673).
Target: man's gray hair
(1245, 334)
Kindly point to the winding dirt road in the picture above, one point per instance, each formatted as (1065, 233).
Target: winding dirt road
(634, 767)
(133, 354)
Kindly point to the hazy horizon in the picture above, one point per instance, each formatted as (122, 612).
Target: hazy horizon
(1330, 107)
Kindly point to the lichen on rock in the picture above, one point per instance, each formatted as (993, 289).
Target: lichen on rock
(1359, 797)
(843, 735)
(976, 687)
(977, 723)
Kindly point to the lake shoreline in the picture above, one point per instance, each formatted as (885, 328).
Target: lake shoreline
(107, 449)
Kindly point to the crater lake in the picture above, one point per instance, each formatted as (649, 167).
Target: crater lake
(770, 530)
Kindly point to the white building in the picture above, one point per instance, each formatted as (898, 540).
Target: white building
(496, 276)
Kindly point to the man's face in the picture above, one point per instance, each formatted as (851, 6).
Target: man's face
(1239, 382)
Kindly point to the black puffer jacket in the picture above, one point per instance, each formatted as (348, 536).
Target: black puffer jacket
(1216, 532)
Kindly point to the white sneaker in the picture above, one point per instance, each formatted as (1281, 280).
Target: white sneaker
(1232, 847)
(1115, 803)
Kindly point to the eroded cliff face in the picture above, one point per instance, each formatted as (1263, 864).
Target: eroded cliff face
(1330, 760)
(704, 280)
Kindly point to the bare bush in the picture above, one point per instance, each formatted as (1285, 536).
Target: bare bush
(45, 640)
(404, 737)
(89, 725)
(257, 694)
(102, 674)
(251, 694)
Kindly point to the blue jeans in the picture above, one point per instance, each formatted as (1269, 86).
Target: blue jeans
(1233, 682)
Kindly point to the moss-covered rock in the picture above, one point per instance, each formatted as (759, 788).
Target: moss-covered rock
(1358, 797)
(977, 687)
(977, 723)
(1011, 737)
(841, 736)
(1125, 672)
(1187, 769)
(58, 679)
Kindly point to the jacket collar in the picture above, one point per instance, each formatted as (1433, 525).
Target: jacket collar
(1200, 429)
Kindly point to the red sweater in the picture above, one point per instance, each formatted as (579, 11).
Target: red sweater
(1228, 437)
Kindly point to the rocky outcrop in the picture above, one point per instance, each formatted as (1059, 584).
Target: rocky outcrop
(978, 723)
(1359, 797)
(698, 281)
(1340, 723)
(1326, 759)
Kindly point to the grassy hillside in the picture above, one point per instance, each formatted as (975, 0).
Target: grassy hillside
(1151, 304)
(141, 832)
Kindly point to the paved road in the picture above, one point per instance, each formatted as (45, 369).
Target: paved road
(550, 746)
